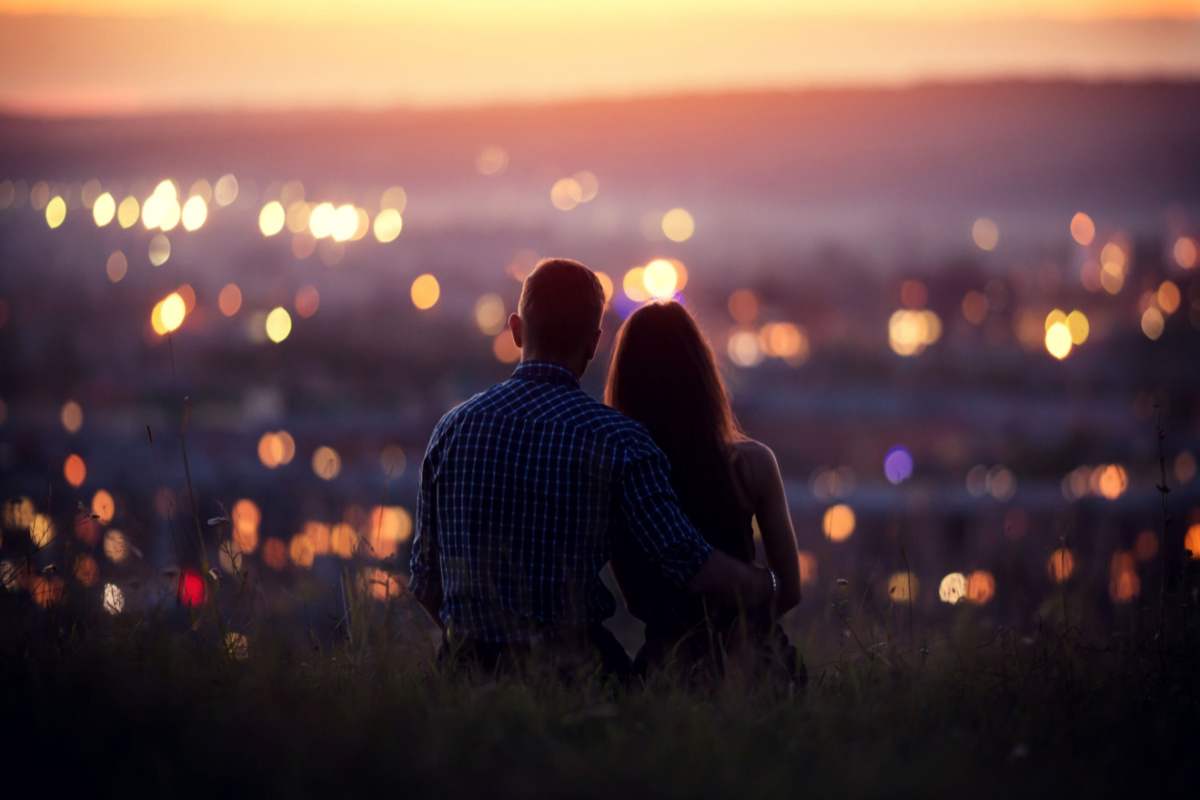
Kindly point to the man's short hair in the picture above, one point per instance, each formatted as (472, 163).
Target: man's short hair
(562, 304)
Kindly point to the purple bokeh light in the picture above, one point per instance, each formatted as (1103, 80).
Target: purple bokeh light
(898, 464)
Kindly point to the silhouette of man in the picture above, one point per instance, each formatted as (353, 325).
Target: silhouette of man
(523, 487)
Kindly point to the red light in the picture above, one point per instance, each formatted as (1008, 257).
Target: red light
(191, 588)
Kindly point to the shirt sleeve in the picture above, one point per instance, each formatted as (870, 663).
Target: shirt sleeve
(425, 574)
(653, 516)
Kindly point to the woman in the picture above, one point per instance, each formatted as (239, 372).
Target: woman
(664, 375)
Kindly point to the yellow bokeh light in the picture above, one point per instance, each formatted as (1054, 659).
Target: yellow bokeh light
(566, 194)
(104, 209)
(279, 324)
(1083, 230)
(326, 463)
(343, 540)
(1059, 340)
(156, 319)
(391, 524)
(953, 588)
(344, 223)
(103, 506)
(202, 189)
(272, 218)
(903, 587)
(1112, 280)
(320, 221)
(489, 314)
(230, 299)
(172, 213)
(167, 190)
(72, 417)
(910, 332)
(297, 216)
(1060, 565)
(588, 185)
(838, 523)
(1168, 297)
(56, 212)
(1187, 252)
(116, 546)
(226, 190)
(607, 285)
(159, 250)
(425, 292)
(491, 160)
(659, 279)
(388, 225)
(985, 233)
(1153, 323)
(172, 312)
(74, 470)
(1077, 324)
(1112, 481)
(128, 212)
(153, 211)
(1055, 316)
(301, 551)
(784, 340)
(678, 225)
(634, 285)
(195, 213)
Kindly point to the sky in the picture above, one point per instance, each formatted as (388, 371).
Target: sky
(101, 57)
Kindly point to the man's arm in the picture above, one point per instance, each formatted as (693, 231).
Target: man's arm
(425, 580)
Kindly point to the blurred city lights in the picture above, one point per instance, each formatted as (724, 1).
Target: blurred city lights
(1191, 541)
(838, 523)
(103, 506)
(159, 250)
(71, 416)
(1083, 230)
(589, 186)
(1168, 297)
(116, 547)
(276, 449)
(1078, 325)
(953, 588)
(910, 332)
(128, 212)
(278, 324)
(1186, 252)
(114, 600)
(744, 349)
(659, 279)
(981, 587)
(226, 190)
(195, 212)
(104, 209)
(607, 285)
(743, 306)
(566, 194)
(116, 266)
(172, 312)
(85, 570)
(1058, 340)
(274, 553)
(245, 518)
(230, 299)
(634, 285)
(190, 591)
(898, 464)
(505, 348)
(491, 160)
(344, 223)
(1060, 565)
(394, 198)
(678, 225)
(425, 292)
(1124, 584)
(985, 233)
(308, 300)
(388, 225)
(489, 314)
(326, 463)
(56, 212)
(1153, 323)
(903, 587)
(74, 470)
(272, 218)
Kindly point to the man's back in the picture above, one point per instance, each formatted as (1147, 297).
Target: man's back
(522, 488)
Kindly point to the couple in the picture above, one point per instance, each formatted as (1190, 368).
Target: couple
(528, 489)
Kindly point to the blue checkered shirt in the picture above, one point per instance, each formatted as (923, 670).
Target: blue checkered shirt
(523, 488)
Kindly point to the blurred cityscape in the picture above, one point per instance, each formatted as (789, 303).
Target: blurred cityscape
(957, 313)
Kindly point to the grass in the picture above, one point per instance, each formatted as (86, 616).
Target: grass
(159, 704)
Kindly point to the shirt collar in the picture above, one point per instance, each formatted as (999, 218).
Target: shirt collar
(545, 372)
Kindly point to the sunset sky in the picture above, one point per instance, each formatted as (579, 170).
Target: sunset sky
(127, 56)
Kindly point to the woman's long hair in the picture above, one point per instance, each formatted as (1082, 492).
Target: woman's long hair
(664, 375)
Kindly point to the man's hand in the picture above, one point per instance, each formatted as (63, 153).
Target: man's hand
(728, 582)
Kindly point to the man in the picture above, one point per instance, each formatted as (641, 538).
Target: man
(524, 486)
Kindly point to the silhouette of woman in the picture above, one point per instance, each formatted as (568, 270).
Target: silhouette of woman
(664, 375)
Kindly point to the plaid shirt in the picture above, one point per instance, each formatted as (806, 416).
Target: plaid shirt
(523, 488)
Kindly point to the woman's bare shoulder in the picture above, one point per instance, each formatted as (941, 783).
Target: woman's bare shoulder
(756, 467)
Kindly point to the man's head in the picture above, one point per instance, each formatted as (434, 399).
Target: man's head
(558, 319)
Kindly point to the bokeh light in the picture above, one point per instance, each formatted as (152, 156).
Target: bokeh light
(743, 306)
(1124, 584)
(903, 587)
(566, 194)
(308, 300)
(744, 349)
(74, 470)
(278, 324)
(195, 213)
(1078, 325)
(272, 218)
(634, 285)
(116, 266)
(1191, 541)
(71, 416)
(490, 315)
(1083, 230)
(491, 160)
(659, 279)
(985, 233)
(425, 292)
(1060, 565)
(116, 546)
(838, 523)
(388, 225)
(159, 250)
(981, 587)
(505, 348)
(1168, 297)
(226, 190)
(114, 599)
(1058, 340)
(246, 518)
(104, 210)
(190, 590)
(898, 464)
(1153, 323)
(1186, 252)
(326, 463)
(172, 312)
(678, 225)
(230, 299)
(953, 588)
(103, 506)
(128, 212)
(56, 212)
(85, 570)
